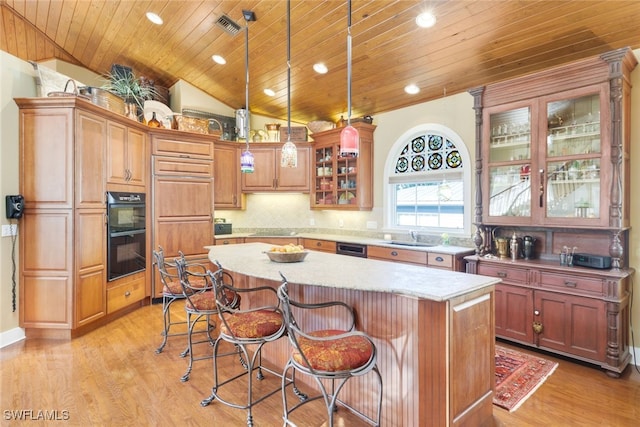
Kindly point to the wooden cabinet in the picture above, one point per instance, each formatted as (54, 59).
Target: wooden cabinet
(182, 195)
(126, 156)
(270, 176)
(123, 292)
(226, 176)
(62, 233)
(319, 245)
(342, 182)
(229, 241)
(554, 150)
(577, 312)
(407, 256)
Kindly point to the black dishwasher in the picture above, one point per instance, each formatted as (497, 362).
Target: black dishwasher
(351, 249)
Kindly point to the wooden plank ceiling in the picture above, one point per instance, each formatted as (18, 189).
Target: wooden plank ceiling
(473, 43)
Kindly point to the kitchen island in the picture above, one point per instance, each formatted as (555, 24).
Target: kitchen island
(434, 329)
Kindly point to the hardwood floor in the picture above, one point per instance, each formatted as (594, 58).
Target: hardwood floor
(113, 377)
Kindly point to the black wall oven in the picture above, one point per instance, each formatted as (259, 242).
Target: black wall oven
(126, 234)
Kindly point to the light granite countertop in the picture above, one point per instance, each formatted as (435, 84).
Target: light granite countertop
(443, 249)
(345, 272)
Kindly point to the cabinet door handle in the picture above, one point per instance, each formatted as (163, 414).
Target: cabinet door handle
(501, 274)
(541, 188)
(570, 284)
(127, 294)
(439, 259)
(394, 253)
(318, 244)
(536, 312)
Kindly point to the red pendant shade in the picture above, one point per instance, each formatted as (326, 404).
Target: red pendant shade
(349, 141)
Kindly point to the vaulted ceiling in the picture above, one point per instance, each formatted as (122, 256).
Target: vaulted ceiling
(474, 42)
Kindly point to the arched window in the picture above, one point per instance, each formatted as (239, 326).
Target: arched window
(428, 181)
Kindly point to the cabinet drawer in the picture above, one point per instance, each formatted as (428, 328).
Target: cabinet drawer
(202, 147)
(435, 259)
(319, 245)
(230, 241)
(129, 291)
(571, 283)
(516, 276)
(182, 167)
(401, 255)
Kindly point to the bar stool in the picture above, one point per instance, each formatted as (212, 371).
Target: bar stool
(171, 292)
(200, 302)
(332, 357)
(251, 327)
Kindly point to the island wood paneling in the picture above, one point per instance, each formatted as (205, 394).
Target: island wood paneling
(434, 357)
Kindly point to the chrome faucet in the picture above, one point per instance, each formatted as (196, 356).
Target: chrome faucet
(414, 235)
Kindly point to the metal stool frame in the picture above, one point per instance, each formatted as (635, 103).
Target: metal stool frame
(253, 362)
(337, 379)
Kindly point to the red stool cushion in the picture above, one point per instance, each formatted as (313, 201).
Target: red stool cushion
(254, 324)
(204, 301)
(342, 354)
(172, 287)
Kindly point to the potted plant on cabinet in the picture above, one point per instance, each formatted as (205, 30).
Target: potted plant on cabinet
(122, 82)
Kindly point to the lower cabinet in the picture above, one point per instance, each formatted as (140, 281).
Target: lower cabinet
(319, 245)
(398, 255)
(577, 312)
(123, 292)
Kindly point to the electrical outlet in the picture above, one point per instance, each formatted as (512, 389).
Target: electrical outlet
(340, 223)
(9, 230)
(372, 225)
(312, 222)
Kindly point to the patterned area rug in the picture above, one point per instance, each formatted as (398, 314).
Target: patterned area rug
(518, 375)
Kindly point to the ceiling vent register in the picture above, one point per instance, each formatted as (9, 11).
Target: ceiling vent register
(228, 25)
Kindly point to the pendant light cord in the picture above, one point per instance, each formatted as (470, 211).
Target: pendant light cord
(349, 63)
(246, 61)
(288, 70)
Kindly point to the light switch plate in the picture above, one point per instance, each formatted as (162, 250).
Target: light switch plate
(9, 230)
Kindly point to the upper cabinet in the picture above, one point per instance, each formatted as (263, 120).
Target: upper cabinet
(553, 148)
(342, 182)
(269, 176)
(559, 176)
(226, 175)
(127, 155)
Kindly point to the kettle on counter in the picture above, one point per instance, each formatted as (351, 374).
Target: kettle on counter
(528, 247)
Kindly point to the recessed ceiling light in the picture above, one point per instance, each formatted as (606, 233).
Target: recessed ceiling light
(218, 59)
(320, 68)
(411, 89)
(269, 92)
(426, 20)
(155, 18)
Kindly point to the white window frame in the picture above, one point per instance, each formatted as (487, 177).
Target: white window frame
(389, 171)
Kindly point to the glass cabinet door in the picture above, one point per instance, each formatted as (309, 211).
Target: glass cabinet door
(573, 152)
(510, 154)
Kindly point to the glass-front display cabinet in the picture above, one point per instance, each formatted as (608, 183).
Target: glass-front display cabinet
(343, 182)
(545, 160)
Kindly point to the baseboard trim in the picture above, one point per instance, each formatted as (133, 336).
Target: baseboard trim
(11, 336)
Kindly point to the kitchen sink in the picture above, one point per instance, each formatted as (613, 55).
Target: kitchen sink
(406, 243)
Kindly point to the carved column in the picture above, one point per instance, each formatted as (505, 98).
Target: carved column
(478, 238)
(616, 76)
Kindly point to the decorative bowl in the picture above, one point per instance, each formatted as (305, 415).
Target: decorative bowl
(287, 256)
(320, 126)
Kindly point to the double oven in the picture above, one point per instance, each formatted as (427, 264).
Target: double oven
(126, 234)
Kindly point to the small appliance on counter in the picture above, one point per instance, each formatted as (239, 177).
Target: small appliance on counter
(220, 226)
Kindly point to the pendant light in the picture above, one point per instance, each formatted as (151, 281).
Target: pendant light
(289, 154)
(247, 162)
(349, 137)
